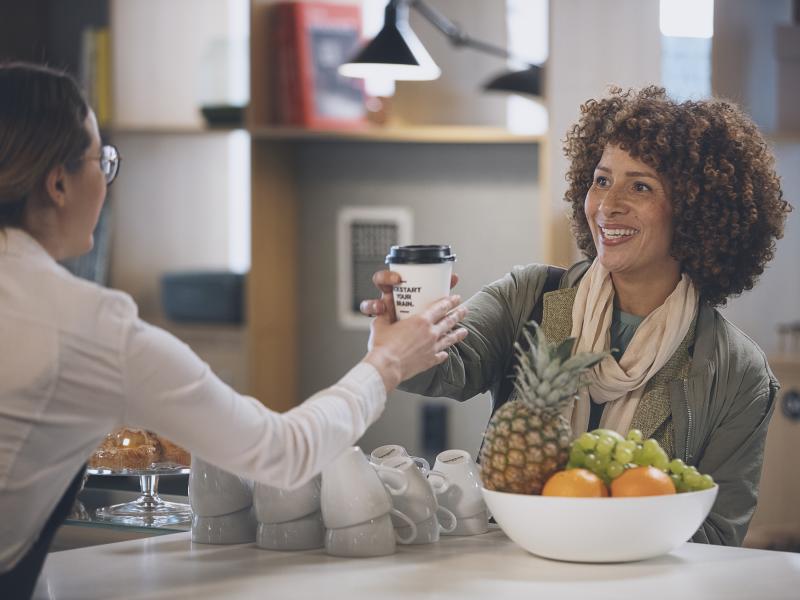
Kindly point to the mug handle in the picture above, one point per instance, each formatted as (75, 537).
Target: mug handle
(411, 524)
(450, 516)
(422, 464)
(390, 472)
(440, 488)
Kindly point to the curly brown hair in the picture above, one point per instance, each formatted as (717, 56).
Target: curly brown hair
(728, 207)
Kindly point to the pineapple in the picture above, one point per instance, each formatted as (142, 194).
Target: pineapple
(528, 438)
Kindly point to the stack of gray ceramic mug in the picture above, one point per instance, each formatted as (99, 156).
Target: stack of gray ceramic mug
(357, 506)
(289, 519)
(464, 495)
(418, 501)
(222, 505)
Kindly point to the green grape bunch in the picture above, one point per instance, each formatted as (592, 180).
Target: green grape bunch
(607, 454)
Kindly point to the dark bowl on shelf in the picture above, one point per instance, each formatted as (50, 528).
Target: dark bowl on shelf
(223, 115)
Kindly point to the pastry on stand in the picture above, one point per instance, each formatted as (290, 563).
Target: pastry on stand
(144, 454)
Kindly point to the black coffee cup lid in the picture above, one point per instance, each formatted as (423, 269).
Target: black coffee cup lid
(399, 255)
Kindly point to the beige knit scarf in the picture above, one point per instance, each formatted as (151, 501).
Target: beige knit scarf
(621, 384)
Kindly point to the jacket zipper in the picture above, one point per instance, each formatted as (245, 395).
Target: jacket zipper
(687, 455)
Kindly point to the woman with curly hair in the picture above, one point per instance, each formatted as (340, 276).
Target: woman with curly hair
(676, 208)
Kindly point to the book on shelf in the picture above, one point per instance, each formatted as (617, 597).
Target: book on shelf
(95, 71)
(308, 41)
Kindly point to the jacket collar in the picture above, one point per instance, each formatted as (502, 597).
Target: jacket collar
(572, 277)
(705, 341)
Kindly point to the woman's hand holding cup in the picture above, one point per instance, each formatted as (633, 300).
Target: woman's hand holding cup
(385, 281)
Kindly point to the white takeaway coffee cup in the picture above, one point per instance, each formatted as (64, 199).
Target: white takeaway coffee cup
(425, 272)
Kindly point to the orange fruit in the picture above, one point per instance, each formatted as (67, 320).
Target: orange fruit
(575, 483)
(642, 481)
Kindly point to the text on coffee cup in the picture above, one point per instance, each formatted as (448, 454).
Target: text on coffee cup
(402, 295)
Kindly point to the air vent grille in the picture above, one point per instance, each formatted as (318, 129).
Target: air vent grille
(365, 235)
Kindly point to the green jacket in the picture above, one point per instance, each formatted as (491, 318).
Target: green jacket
(717, 405)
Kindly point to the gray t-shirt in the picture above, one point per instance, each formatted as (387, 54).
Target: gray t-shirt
(623, 326)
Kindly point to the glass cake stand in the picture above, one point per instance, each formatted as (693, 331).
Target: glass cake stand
(148, 510)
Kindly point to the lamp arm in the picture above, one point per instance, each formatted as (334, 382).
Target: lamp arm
(457, 36)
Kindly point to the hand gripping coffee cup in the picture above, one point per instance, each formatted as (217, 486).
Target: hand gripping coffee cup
(425, 273)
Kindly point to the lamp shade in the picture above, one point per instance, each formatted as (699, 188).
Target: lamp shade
(395, 53)
(527, 82)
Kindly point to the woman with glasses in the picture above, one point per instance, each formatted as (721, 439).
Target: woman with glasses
(77, 362)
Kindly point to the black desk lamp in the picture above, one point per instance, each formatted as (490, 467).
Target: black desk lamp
(396, 52)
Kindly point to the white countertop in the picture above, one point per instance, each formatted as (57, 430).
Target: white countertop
(488, 566)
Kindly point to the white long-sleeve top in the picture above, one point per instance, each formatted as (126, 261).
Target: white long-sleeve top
(76, 362)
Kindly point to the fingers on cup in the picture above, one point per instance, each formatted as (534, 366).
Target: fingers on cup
(384, 280)
(372, 308)
(451, 339)
(440, 309)
(387, 300)
(451, 320)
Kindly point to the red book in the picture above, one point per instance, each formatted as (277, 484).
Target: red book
(314, 38)
(274, 73)
(284, 77)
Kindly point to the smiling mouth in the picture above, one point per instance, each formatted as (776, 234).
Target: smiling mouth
(617, 233)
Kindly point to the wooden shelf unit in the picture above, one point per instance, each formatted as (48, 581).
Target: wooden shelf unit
(416, 135)
(123, 129)
(412, 135)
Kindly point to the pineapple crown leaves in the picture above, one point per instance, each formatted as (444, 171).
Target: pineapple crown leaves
(546, 375)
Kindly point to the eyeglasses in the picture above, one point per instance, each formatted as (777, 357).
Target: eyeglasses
(109, 162)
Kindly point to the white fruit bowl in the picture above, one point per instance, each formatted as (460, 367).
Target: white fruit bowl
(600, 529)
